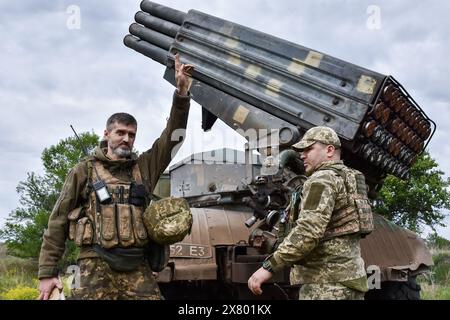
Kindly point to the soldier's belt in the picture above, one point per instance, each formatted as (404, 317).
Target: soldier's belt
(121, 260)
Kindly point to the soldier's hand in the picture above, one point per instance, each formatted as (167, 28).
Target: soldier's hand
(257, 279)
(182, 74)
(46, 287)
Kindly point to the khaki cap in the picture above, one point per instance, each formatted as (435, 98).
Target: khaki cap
(324, 135)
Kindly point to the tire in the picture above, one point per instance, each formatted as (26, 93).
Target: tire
(408, 290)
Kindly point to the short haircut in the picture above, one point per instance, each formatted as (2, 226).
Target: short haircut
(338, 150)
(123, 118)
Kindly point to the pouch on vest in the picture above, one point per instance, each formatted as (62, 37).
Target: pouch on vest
(362, 204)
(73, 218)
(108, 232)
(140, 234)
(124, 225)
(84, 232)
(121, 260)
(157, 255)
(357, 217)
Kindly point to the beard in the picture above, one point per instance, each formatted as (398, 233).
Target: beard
(309, 170)
(121, 151)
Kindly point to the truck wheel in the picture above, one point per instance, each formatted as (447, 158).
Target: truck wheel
(390, 290)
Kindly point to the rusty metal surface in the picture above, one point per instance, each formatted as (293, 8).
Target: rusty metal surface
(392, 249)
(215, 226)
(226, 225)
(187, 270)
(246, 260)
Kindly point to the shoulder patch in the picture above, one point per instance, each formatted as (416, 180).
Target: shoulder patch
(314, 196)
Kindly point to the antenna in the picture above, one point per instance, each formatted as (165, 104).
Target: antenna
(99, 186)
(83, 148)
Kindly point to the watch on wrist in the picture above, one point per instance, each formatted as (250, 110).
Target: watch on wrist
(267, 266)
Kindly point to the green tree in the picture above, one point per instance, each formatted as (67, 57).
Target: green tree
(438, 242)
(25, 225)
(419, 201)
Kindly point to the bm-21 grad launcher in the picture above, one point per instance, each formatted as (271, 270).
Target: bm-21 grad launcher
(278, 90)
(251, 80)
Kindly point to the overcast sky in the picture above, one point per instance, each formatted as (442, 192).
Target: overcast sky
(55, 72)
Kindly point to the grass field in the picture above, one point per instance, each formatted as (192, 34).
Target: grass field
(18, 277)
(436, 284)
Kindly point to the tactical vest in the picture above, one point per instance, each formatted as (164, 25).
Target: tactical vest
(355, 216)
(117, 224)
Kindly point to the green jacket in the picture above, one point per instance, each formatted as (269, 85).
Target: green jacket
(317, 261)
(75, 191)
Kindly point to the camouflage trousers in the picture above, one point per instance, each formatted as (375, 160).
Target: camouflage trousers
(99, 282)
(329, 291)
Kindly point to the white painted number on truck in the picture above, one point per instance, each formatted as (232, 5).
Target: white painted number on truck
(190, 251)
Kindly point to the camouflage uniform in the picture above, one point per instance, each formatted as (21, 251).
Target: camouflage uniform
(327, 268)
(77, 192)
(100, 282)
(329, 291)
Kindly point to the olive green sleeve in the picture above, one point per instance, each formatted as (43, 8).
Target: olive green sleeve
(153, 162)
(54, 239)
(316, 207)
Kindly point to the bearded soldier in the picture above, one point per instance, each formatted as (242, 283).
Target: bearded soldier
(330, 217)
(101, 206)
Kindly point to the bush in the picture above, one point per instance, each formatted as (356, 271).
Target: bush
(441, 268)
(3, 251)
(436, 283)
(21, 293)
(437, 242)
(17, 272)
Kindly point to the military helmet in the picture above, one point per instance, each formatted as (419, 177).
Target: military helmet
(323, 135)
(168, 221)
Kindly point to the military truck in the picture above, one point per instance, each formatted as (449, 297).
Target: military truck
(271, 92)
